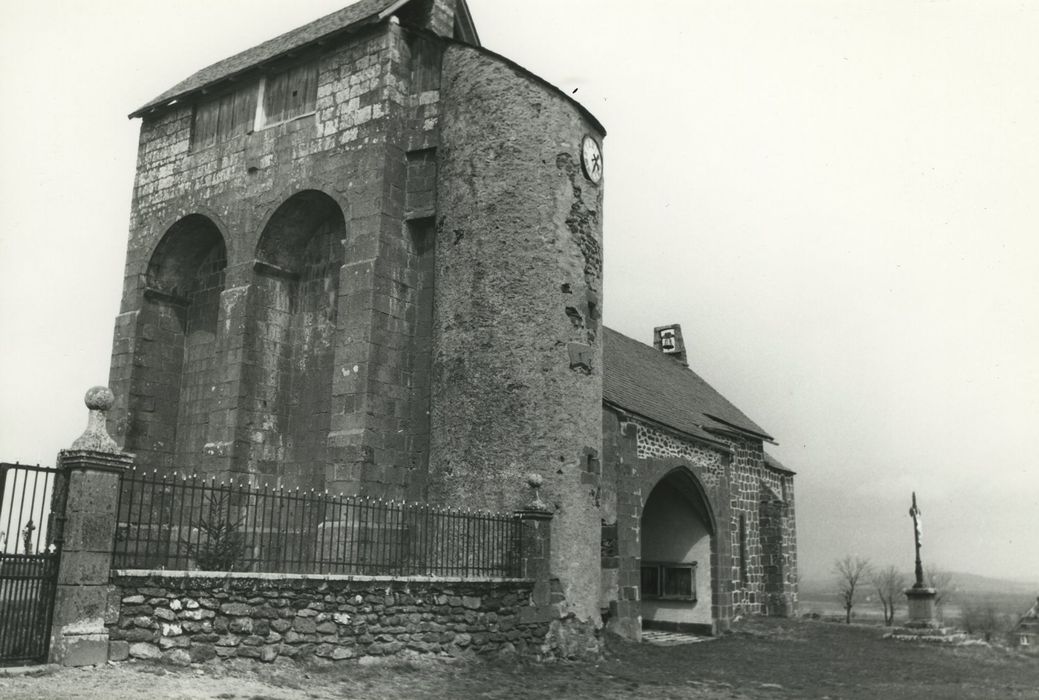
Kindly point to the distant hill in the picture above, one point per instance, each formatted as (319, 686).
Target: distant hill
(962, 582)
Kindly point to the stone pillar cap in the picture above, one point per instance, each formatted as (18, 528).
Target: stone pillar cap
(99, 400)
(535, 482)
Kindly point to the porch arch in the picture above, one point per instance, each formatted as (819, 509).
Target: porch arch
(678, 538)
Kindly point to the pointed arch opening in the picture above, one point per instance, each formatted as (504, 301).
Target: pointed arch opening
(295, 296)
(678, 530)
(170, 392)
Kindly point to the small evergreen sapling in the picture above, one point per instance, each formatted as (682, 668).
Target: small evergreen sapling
(221, 544)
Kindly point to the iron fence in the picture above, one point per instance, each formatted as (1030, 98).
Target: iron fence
(188, 522)
(28, 562)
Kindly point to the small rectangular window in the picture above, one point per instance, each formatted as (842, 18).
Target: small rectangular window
(678, 582)
(650, 581)
(290, 93)
(668, 581)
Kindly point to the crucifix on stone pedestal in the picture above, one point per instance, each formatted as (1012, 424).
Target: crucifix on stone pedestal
(920, 597)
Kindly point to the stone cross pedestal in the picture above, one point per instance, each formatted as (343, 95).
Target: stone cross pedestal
(921, 608)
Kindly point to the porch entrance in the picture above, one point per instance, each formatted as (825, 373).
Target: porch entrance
(677, 542)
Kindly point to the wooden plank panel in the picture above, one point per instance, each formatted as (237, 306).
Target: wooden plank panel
(244, 110)
(274, 99)
(224, 117)
(205, 124)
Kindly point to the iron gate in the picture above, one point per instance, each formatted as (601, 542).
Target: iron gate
(28, 562)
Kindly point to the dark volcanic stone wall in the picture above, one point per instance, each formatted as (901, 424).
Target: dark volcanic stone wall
(183, 620)
(742, 492)
(517, 350)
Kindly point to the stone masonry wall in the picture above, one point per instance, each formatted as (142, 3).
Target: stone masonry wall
(183, 618)
(751, 480)
(517, 343)
(376, 108)
(659, 453)
(656, 443)
(637, 456)
(739, 488)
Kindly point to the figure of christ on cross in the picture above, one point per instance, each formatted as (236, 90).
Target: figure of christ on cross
(915, 514)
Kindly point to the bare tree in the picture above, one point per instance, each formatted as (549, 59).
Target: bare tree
(942, 582)
(984, 618)
(890, 583)
(850, 572)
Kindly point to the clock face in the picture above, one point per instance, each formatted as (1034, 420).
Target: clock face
(591, 159)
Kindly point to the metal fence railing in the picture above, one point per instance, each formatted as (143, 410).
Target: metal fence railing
(188, 522)
(28, 562)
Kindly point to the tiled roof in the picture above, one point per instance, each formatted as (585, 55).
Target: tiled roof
(643, 380)
(774, 463)
(341, 20)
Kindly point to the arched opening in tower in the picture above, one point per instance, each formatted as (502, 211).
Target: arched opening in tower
(171, 394)
(294, 303)
(677, 534)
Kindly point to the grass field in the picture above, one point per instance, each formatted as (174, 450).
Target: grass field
(1006, 609)
(761, 659)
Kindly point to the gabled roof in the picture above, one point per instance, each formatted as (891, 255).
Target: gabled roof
(323, 29)
(644, 381)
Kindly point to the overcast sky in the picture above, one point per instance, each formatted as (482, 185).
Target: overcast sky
(837, 201)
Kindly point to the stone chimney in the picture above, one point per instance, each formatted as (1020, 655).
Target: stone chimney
(668, 340)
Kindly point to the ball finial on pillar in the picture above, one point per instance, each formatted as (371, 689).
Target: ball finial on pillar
(99, 400)
(535, 481)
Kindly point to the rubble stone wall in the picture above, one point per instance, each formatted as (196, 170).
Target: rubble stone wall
(183, 618)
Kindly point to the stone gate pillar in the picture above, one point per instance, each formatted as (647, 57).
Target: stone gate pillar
(91, 472)
(536, 542)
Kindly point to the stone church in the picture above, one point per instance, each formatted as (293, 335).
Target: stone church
(366, 256)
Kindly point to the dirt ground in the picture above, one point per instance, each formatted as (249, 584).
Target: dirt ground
(761, 659)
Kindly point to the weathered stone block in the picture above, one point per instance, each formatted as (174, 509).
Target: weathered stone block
(93, 492)
(138, 634)
(80, 649)
(81, 609)
(118, 650)
(236, 609)
(304, 625)
(165, 614)
(249, 652)
(241, 625)
(200, 653)
(228, 640)
(144, 650)
(174, 643)
(170, 630)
